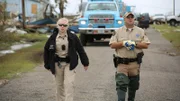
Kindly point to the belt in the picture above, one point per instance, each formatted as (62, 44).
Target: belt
(60, 59)
(126, 60)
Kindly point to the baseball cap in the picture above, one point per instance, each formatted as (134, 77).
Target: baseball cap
(127, 14)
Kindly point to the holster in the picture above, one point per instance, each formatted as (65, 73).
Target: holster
(115, 60)
(139, 57)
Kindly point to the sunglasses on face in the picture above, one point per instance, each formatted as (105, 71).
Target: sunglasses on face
(64, 25)
(130, 17)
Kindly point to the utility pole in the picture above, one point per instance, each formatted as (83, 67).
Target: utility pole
(174, 7)
(81, 5)
(23, 14)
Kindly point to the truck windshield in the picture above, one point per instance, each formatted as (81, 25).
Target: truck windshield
(102, 6)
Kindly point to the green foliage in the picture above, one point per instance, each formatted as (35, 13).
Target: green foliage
(7, 39)
(3, 12)
(33, 37)
(21, 61)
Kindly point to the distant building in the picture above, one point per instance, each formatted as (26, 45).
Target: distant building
(32, 7)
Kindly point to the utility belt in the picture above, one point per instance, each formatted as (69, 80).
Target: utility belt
(125, 60)
(118, 60)
(60, 59)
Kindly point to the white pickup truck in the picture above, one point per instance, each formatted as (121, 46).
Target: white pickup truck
(173, 20)
(159, 18)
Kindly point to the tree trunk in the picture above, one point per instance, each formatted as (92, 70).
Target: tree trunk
(44, 13)
(61, 7)
(51, 14)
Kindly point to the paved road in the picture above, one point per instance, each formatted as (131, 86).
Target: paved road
(160, 77)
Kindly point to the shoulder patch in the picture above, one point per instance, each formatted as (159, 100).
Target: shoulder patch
(137, 35)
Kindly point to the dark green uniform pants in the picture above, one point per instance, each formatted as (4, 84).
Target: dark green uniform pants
(123, 82)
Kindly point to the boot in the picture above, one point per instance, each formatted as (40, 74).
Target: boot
(121, 95)
(131, 95)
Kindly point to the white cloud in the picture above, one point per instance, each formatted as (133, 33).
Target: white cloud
(72, 6)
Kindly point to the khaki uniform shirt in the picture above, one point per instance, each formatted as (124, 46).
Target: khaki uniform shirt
(136, 34)
(62, 40)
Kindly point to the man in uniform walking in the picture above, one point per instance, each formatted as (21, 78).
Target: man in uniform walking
(128, 42)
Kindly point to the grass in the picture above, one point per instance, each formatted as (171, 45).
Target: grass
(33, 37)
(7, 39)
(170, 33)
(21, 61)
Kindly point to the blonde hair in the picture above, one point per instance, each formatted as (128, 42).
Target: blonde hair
(63, 19)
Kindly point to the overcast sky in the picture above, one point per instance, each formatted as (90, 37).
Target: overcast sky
(142, 6)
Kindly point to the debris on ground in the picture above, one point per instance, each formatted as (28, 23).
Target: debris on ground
(15, 30)
(3, 82)
(171, 54)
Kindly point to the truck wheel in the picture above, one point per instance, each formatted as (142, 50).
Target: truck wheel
(83, 39)
(172, 22)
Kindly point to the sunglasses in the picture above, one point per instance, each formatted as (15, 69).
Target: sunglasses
(64, 25)
(130, 17)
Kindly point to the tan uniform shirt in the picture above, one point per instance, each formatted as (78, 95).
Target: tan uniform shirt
(136, 34)
(61, 40)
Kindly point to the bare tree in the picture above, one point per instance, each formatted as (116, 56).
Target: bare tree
(44, 12)
(61, 4)
(46, 4)
(62, 7)
(3, 12)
